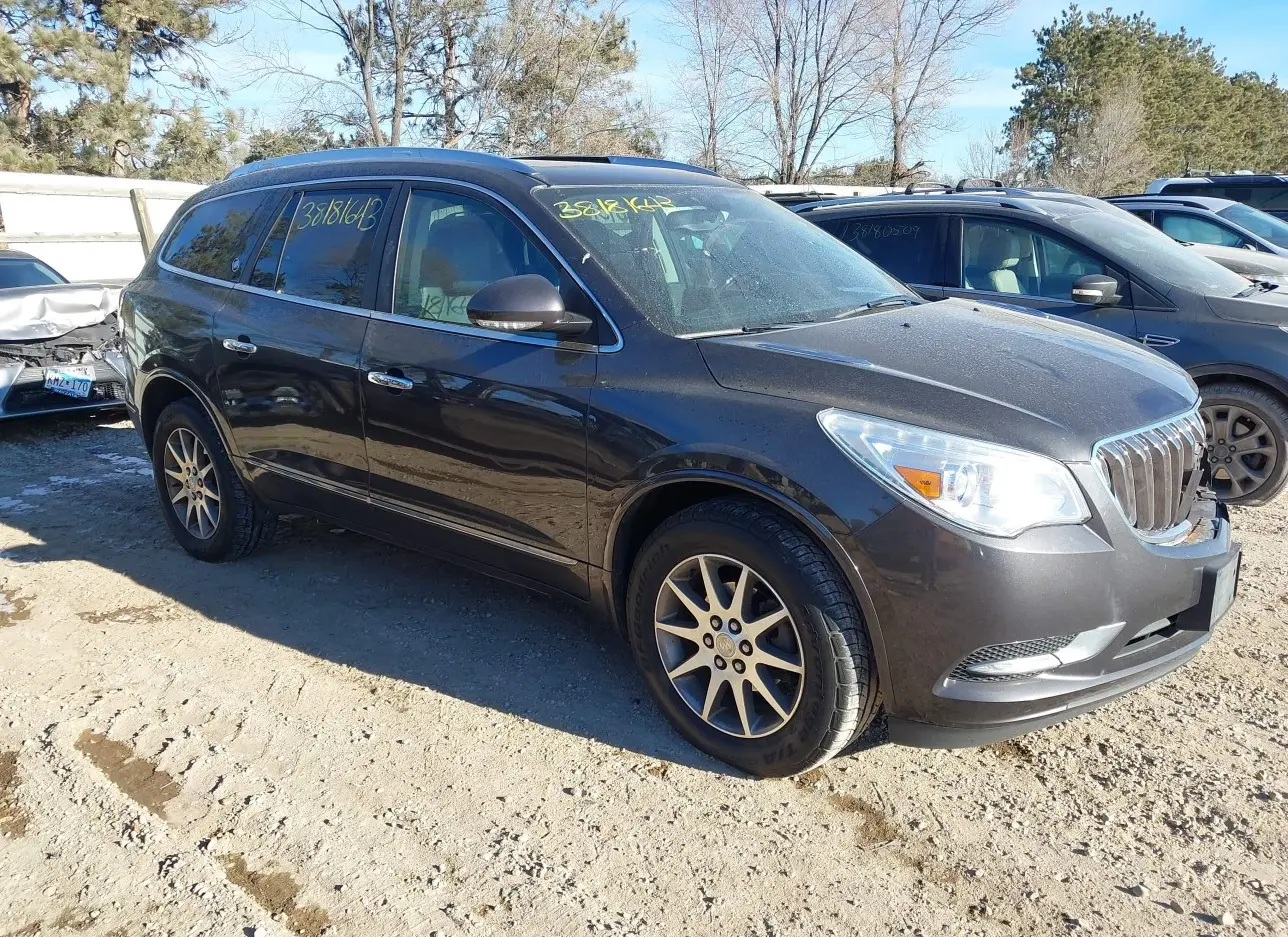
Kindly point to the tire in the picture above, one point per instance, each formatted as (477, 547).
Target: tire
(831, 701)
(1259, 416)
(240, 523)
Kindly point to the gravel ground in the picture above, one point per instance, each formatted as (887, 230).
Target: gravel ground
(337, 737)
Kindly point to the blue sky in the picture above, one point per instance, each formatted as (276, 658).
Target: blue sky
(1246, 33)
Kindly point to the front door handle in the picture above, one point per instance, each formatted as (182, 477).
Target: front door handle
(1159, 341)
(242, 348)
(391, 381)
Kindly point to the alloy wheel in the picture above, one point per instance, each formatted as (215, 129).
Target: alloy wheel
(729, 646)
(191, 483)
(1242, 451)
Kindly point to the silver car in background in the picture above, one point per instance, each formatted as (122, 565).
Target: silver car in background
(59, 342)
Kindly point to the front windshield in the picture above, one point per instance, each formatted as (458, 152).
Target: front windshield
(1144, 248)
(1274, 230)
(706, 259)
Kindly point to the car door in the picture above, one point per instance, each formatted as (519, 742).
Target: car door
(1014, 263)
(476, 439)
(288, 343)
(908, 246)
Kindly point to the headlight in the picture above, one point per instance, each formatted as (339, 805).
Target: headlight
(985, 487)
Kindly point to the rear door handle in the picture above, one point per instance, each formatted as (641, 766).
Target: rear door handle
(391, 381)
(1159, 341)
(242, 348)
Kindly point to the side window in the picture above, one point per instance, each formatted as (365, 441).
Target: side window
(322, 245)
(451, 247)
(1003, 258)
(902, 245)
(1267, 197)
(1195, 230)
(215, 238)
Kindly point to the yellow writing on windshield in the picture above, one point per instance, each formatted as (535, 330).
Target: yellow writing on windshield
(354, 212)
(605, 207)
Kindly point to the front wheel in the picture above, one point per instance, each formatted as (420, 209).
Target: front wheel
(749, 638)
(1247, 444)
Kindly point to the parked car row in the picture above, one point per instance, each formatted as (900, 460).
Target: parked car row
(803, 492)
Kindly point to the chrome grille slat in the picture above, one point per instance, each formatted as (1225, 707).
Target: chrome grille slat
(1154, 472)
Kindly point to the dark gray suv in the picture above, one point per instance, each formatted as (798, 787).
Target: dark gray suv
(657, 394)
(1087, 260)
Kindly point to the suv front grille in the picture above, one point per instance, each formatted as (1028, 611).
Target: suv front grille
(1154, 474)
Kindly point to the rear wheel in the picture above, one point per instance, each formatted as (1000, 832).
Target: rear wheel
(750, 639)
(1247, 444)
(205, 504)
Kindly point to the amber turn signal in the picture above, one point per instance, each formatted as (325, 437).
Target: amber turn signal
(928, 484)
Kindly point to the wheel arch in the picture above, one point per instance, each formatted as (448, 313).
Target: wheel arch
(162, 387)
(1208, 374)
(658, 497)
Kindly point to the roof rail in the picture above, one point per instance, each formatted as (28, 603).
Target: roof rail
(915, 187)
(621, 161)
(353, 154)
(963, 185)
(1186, 201)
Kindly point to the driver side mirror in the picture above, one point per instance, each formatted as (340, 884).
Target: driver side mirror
(526, 303)
(1096, 289)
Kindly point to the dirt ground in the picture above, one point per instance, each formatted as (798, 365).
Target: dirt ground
(337, 737)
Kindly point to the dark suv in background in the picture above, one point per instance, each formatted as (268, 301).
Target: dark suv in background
(1266, 191)
(655, 392)
(1087, 260)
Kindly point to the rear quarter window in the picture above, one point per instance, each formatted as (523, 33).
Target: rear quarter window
(215, 238)
(902, 245)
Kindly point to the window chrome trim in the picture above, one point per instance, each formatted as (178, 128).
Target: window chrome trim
(615, 345)
(260, 291)
(388, 504)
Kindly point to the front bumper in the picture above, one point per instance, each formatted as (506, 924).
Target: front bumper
(1085, 614)
(23, 393)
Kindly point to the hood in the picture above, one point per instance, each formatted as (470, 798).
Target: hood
(1037, 383)
(1249, 263)
(1266, 307)
(35, 313)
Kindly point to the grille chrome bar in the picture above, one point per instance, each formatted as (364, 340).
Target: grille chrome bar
(1154, 474)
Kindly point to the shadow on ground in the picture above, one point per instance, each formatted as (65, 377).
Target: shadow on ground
(78, 486)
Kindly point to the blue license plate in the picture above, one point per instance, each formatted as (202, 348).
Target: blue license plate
(70, 382)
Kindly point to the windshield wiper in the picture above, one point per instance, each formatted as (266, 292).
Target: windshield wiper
(898, 299)
(773, 328)
(1258, 286)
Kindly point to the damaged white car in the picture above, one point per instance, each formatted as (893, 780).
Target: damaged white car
(59, 342)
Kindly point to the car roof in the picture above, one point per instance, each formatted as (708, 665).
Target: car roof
(1052, 203)
(1241, 178)
(551, 170)
(8, 254)
(1209, 202)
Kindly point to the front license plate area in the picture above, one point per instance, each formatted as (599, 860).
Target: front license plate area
(1220, 586)
(1224, 588)
(70, 382)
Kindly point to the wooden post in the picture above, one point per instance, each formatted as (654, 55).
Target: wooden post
(139, 199)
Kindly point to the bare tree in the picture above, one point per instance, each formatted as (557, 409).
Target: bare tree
(994, 155)
(711, 86)
(807, 64)
(1108, 155)
(917, 42)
